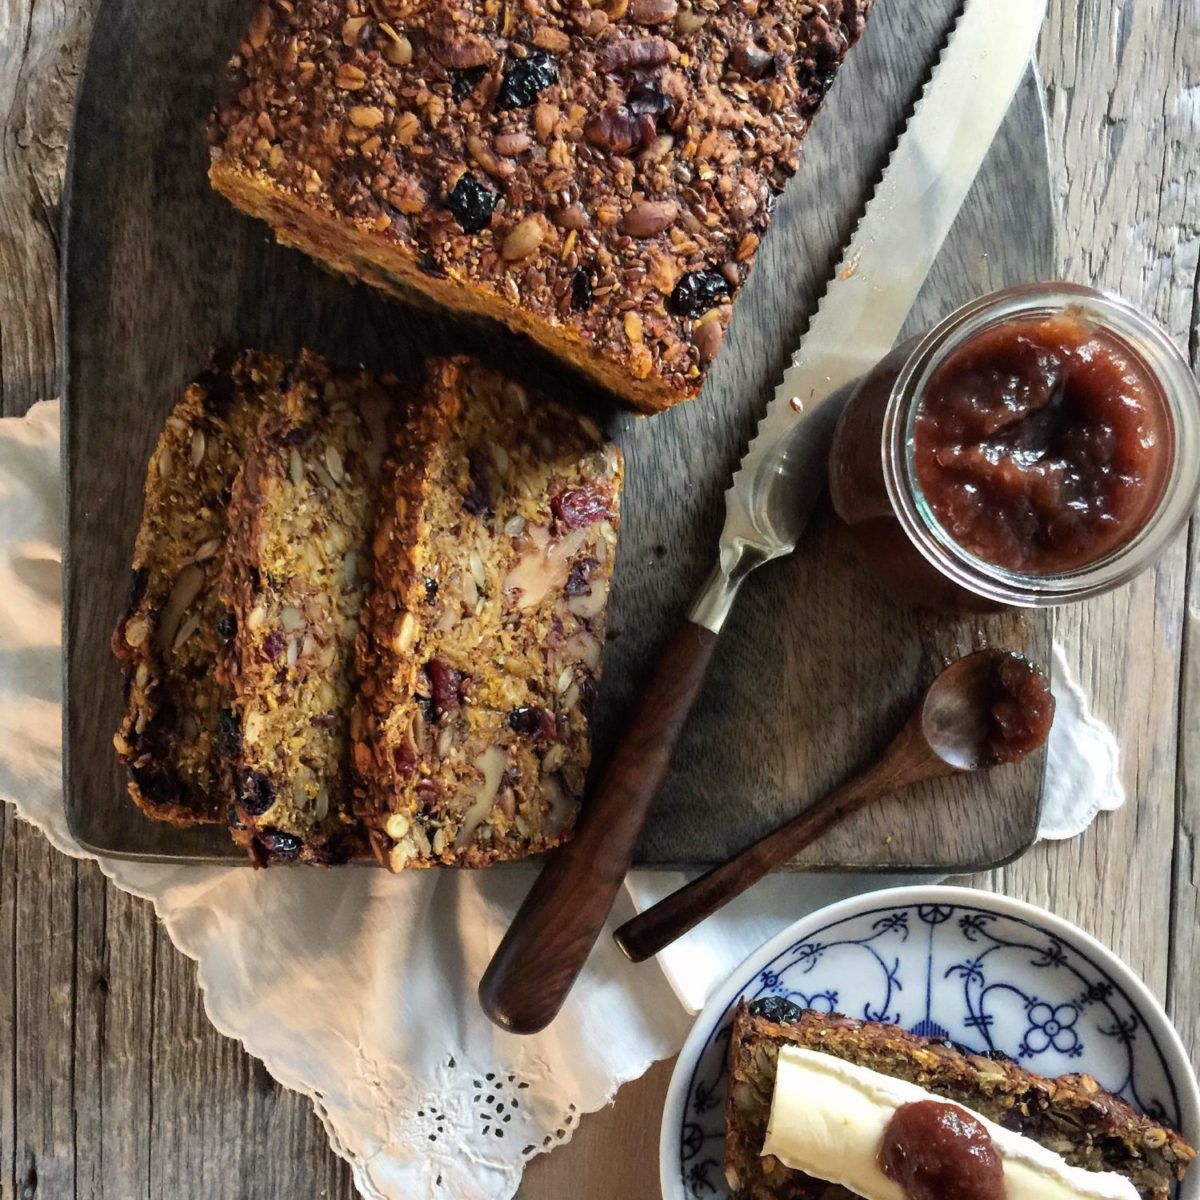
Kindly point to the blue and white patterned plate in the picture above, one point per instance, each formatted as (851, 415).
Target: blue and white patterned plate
(983, 970)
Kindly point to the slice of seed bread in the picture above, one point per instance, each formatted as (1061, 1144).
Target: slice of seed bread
(297, 570)
(167, 640)
(1071, 1115)
(481, 647)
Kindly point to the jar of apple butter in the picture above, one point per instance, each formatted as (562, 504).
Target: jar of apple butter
(1039, 446)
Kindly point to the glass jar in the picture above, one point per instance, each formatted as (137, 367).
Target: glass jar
(876, 485)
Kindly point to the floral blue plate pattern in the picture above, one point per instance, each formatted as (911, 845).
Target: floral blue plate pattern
(987, 972)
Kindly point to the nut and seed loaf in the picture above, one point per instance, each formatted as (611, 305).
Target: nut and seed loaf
(167, 640)
(598, 175)
(1071, 1115)
(481, 644)
(297, 570)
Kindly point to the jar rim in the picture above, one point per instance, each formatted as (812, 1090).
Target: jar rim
(1180, 395)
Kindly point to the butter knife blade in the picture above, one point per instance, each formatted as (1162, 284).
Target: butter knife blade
(868, 299)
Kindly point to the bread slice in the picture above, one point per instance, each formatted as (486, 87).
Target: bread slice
(597, 176)
(297, 570)
(1071, 1115)
(481, 645)
(176, 710)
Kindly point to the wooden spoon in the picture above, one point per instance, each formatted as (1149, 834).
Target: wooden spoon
(988, 708)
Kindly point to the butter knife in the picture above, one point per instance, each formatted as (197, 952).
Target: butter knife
(774, 489)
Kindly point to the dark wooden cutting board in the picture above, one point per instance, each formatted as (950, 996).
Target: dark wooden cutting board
(817, 665)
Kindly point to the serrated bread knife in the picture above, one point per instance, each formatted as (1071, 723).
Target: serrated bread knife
(775, 488)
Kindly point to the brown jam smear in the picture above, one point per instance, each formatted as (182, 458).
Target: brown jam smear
(1042, 444)
(937, 1151)
(1022, 710)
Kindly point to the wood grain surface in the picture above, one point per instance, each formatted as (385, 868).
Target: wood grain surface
(817, 667)
(112, 1084)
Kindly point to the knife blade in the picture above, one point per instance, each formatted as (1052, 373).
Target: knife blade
(773, 492)
(874, 287)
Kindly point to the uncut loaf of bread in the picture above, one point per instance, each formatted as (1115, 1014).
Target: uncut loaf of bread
(597, 174)
(1071, 1114)
(297, 570)
(176, 715)
(481, 644)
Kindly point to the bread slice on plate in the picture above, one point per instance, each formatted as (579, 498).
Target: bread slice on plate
(481, 646)
(1071, 1115)
(176, 714)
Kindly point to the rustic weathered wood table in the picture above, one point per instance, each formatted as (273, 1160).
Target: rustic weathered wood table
(113, 1084)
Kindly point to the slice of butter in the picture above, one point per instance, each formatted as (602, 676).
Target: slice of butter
(828, 1118)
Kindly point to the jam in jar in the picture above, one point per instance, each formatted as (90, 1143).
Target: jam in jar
(1039, 446)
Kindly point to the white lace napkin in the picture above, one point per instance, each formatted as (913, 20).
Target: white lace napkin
(357, 988)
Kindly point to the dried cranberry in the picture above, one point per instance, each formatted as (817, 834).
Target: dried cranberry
(580, 506)
(229, 733)
(227, 627)
(581, 289)
(525, 78)
(472, 204)
(447, 684)
(776, 1008)
(273, 645)
(279, 846)
(477, 498)
(256, 793)
(577, 580)
(466, 81)
(697, 292)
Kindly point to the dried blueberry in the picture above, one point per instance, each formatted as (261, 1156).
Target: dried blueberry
(472, 204)
(466, 81)
(273, 645)
(279, 846)
(430, 266)
(229, 733)
(697, 292)
(525, 78)
(256, 793)
(227, 627)
(581, 289)
(157, 788)
(297, 436)
(776, 1008)
(218, 391)
(525, 721)
(577, 580)
(431, 589)
(649, 100)
(137, 585)
(477, 498)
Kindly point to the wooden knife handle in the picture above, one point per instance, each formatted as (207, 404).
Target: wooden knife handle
(651, 931)
(554, 930)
